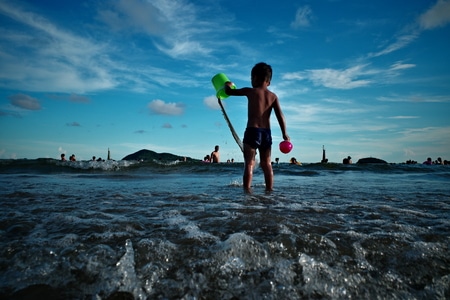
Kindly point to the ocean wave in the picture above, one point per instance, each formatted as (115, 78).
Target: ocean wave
(51, 166)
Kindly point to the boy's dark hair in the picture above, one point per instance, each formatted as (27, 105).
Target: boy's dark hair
(262, 71)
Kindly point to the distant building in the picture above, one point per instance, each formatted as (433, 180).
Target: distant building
(324, 159)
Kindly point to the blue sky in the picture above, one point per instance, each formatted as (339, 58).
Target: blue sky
(362, 78)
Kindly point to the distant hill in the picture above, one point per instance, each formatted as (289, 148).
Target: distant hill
(371, 160)
(149, 155)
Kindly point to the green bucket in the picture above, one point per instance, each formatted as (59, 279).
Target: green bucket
(218, 82)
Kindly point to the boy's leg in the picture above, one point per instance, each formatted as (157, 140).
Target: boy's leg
(249, 162)
(266, 165)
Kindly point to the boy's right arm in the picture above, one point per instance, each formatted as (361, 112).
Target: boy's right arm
(235, 92)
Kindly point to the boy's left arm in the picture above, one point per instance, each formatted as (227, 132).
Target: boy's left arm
(281, 120)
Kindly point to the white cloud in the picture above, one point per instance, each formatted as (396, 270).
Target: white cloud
(302, 17)
(431, 135)
(160, 107)
(294, 76)
(183, 48)
(337, 79)
(416, 98)
(314, 113)
(61, 61)
(359, 75)
(175, 23)
(401, 66)
(437, 16)
(401, 42)
(140, 16)
(404, 117)
(211, 102)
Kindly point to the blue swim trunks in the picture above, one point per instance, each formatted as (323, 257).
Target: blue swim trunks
(258, 138)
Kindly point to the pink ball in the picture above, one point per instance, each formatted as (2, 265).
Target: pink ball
(286, 147)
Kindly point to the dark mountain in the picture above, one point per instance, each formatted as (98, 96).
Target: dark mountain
(149, 155)
(371, 160)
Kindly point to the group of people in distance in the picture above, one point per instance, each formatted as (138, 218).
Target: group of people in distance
(98, 159)
(71, 158)
(347, 161)
(214, 157)
(429, 161)
(439, 161)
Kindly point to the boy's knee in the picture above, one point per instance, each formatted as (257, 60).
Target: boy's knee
(265, 165)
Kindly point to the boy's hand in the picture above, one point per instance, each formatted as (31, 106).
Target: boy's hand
(227, 86)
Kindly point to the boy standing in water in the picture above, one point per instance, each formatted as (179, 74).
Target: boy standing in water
(257, 135)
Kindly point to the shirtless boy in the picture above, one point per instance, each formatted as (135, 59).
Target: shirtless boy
(257, 135)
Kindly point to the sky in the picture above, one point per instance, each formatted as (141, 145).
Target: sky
(360, 78)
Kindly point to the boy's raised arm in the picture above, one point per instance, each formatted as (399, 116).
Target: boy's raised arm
(234, 92)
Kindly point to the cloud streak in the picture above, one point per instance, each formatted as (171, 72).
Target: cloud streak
(344, 79)
(436, 16)
(139, 16)
(62, 62)
(303, 17)
(400, 42)
(175, 26)
(74, 124)
(25, 102)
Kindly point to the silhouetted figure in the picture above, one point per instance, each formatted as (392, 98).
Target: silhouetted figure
(429, 161)
(215, 156)
(324, 159)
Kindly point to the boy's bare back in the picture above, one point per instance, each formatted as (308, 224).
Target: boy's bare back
(260, 104)
(261, 101)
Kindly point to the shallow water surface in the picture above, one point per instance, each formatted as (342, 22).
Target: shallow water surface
(89, 230)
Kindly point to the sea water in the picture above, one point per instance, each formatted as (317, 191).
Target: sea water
(177, 230)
